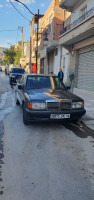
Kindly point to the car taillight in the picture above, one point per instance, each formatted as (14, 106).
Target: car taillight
(29, 105)
(83, 104)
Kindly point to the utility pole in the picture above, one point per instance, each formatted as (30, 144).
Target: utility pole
(22, 44)
(37, 41)
(30, 45)
(21, 28)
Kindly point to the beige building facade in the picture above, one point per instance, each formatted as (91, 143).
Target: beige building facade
(78, 39)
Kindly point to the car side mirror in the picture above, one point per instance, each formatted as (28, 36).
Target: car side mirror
(20, 87)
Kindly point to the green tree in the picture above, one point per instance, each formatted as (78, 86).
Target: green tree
(17, 57)
(9, 56)
(2, 62)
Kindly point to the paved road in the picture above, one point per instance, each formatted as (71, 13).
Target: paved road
(44, 160)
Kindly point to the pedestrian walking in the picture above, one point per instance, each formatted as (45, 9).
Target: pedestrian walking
(61, 75)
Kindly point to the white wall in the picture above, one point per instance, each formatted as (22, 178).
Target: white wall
(60, 64)
(65, 56)
(76, 13)
(56, 67)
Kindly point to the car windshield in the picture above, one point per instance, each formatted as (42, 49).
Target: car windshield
(40, 82)
(17, 70)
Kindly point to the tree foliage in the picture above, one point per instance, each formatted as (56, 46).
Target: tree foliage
(9, 56)
(2, 62)
(12, 56)
(17, 57)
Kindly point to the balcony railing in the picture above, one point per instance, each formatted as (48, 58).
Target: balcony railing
(79, 20)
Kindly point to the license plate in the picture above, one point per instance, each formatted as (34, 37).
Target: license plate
(60, 116)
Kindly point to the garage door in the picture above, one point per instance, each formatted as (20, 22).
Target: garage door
(86, 68)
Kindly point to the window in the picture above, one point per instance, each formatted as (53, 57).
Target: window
(58, 84)
(51, 25)
(42, 82)
(18, 70)
(83, 11)
(38, 82)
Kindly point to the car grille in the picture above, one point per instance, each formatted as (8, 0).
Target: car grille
(60, 105)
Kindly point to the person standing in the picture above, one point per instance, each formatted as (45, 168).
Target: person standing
(61, 75)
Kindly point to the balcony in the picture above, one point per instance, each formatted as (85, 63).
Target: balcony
(80, 29)
(79, 20)
(52, 45)
(68, 4)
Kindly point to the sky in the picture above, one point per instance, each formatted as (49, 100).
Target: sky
(10, 19)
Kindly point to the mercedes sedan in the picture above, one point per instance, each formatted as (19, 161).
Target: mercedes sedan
(45, 97)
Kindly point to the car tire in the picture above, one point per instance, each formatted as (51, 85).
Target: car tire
(25, 116)
(16, 100)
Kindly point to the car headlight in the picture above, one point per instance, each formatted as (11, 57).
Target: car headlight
(77, 105)
(36, 106)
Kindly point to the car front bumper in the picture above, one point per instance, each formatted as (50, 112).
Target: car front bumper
(13, 81)
(45, 115)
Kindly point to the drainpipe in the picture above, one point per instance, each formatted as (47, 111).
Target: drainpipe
(60, 56)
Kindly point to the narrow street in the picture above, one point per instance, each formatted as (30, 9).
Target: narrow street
(42, 161)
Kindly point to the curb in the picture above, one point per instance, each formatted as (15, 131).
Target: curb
(89, 126)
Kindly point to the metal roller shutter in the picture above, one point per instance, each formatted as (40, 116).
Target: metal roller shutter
(86, 68)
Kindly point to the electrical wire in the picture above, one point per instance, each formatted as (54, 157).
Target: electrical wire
(19, 11)
(25, 6)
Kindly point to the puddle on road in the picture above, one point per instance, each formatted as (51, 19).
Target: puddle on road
(4, 110)
(80, 130)
(1, 154)
(7, 105)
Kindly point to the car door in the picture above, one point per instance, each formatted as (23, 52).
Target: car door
(20, 92)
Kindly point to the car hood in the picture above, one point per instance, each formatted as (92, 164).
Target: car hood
(48, 94)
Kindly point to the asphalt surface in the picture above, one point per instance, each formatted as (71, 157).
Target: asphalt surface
(43, 160)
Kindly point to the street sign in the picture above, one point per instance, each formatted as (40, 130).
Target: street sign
(22, 62)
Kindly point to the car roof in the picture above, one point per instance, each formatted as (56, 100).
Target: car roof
(26, 75)
(17, 68)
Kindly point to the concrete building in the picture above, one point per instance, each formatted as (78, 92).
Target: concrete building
(50, 26)
(78, 38)
(27, 54)
(35, 42)
(18, 45)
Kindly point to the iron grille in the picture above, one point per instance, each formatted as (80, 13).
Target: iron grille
(59, 105)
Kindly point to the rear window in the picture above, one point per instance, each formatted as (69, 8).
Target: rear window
(16, 70)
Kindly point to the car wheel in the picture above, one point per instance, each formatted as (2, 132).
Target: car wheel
(16, 100)
(25, 116)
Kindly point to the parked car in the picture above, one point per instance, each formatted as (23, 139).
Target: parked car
(0, 69)
(44, 97)
(15, 74)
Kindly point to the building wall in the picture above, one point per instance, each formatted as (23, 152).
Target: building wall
(18, 45)
(53, 14)
(61, 61)
(57, 61)
(58, 15)
(77, 12)
(27, 50)
(73, 33)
